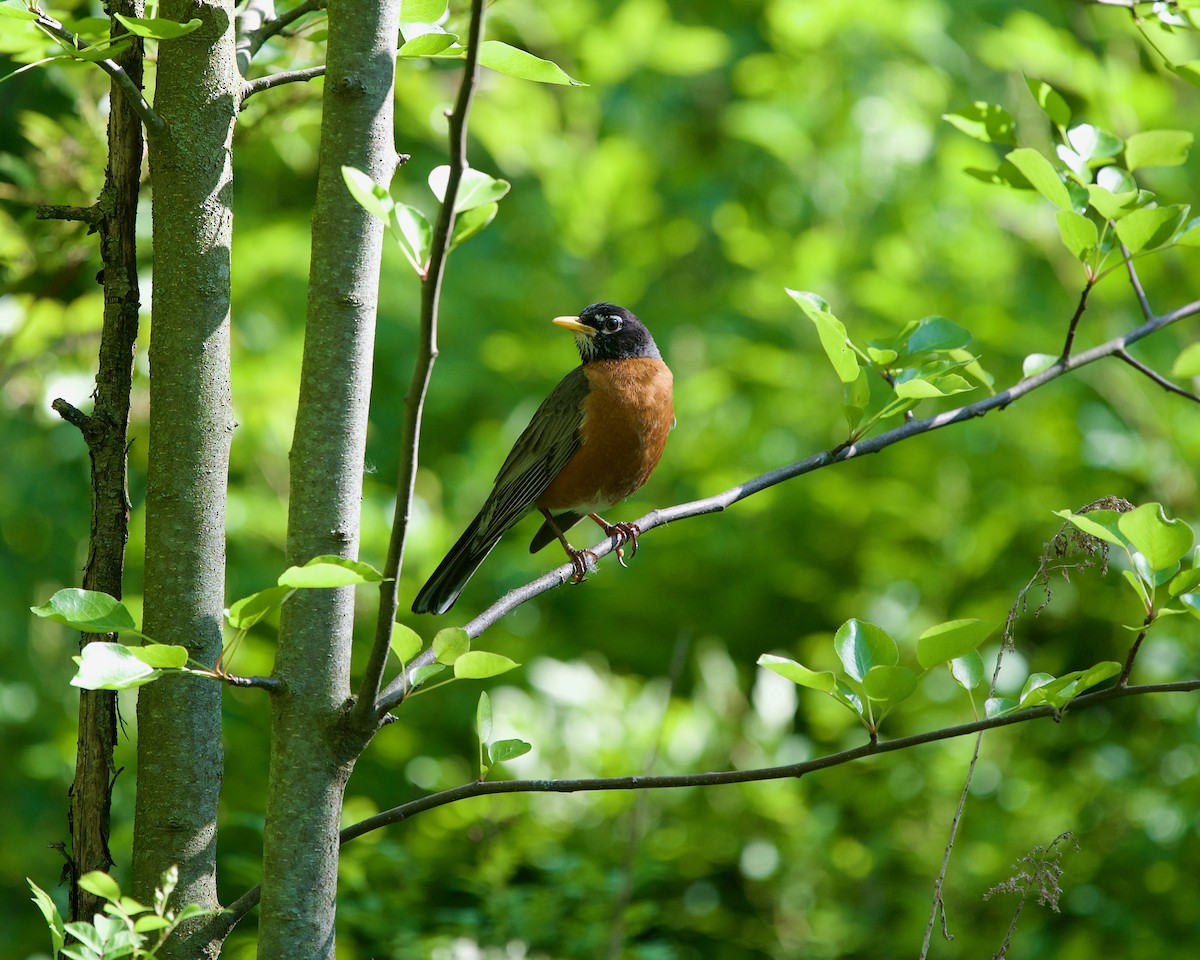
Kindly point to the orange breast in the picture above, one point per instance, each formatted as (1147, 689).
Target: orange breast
(627, 415)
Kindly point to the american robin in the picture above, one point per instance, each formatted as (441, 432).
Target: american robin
(591, 444)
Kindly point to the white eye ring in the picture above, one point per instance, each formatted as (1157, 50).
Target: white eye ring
(611, 324)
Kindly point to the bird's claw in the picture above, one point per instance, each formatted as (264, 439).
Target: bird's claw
(582, 561)
(625, 533)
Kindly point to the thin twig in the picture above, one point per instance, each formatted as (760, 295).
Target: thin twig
(1136, 282)
(260, 35)
(53, 211)
(259, 84)
(1074, 324)
(477, 788)
(154, 123)
(414, 401)
(1156, 376)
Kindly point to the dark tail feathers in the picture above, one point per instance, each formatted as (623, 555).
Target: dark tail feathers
(447, 582)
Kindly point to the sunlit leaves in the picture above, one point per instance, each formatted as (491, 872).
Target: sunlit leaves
(114, 666)
(157, 28)
(1050, 100)
(1077, 232)
(491, 754)
(475, 202)
(1159, 549)
(510, 60)
(329, 571)
(873, 680)
(831, 332)
(1157, 148)
(984, 121)
(86, 610)
(1151, 226)
(1041, 175)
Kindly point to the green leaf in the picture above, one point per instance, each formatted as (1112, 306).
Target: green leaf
(449, 644)
(483, 718)
(329, 571)
(1050, 100)
(406, 643)
(1157, 148)
(1097, 674)
(1187, 364)
(424, 672)
(54, 920)
(950, 640)
(87, 610)
(1093, 143)
(370, 195)
(798, 673)
(1191, 603)
(467, 224)
(889, 684)
(111, 666)
(918, 388)
(1034, 682)
(475, 188)
(998, 706)
(861, 646)
(1041, 175)
(480, 665)
(157, 28)
(101, 884)
(503, 58)
(1189, 71)
(967, 670)
(503, 750)
(984, 121)
(161, 656)
(150, 923)
(413, 233)
(831, 332)
(1137, 582)
(937, 334)
(1189, 236)
(1101, 524)
(422, 11)
(245, 613)
(1036, 363)
(1150, 227)
(1078, 233)
(1184, 582)
(18, 13)
(1161, 541)
(1111, 206)
(430, 45)
(1116, 180)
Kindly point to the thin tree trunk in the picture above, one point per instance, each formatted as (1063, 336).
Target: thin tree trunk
(105, 432)
(180, 759)
(311, 751)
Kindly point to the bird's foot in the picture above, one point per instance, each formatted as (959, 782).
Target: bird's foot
(582, 561)
(626, 533)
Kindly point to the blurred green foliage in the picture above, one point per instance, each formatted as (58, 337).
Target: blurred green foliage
(721, 153)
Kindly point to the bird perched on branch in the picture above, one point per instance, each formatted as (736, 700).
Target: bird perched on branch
(592, 443)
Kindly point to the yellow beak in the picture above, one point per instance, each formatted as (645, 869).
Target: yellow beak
(573, 324)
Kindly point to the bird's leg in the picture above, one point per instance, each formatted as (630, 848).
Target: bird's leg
(579, 558)
(626, 533)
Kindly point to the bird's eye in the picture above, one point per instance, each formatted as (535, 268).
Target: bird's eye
(610, 324)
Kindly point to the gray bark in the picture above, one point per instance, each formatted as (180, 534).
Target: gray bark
(180, 759)
(313, 747)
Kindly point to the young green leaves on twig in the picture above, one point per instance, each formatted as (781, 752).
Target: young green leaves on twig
(126, 927)
(926, 360)
(116, 666)
(475, 206)
(493, 752)
(424, 36)
(1161, 553)
(451, 647)
(88, 39)
(873, 681)
(1090, 179)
